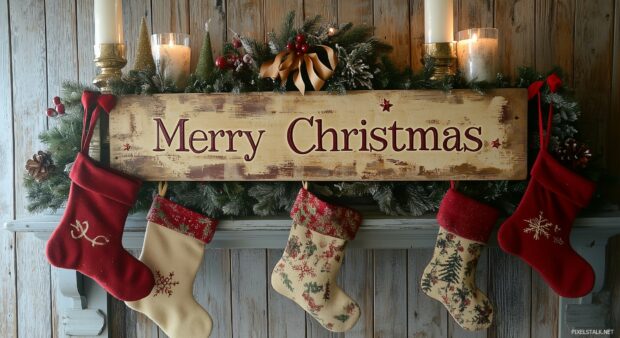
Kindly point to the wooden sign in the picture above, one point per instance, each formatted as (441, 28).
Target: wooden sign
(363, 135)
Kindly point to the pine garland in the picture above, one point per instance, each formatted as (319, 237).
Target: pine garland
(363, 65)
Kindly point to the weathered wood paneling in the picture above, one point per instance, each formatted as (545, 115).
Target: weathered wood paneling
(245, 17)
(592, 72)
(359, 12)
(86, 40)
(171, 16)
(29, 71)
(416, 33)
(200, 12)
(510, 288)
(276, 10)
(427, 317)
(286, 318)
(555, 22)
(212, 290)
(358, 283)
(8, 292)
(248, 275)
(33, 288)
(390, 304)
(328, 9)
(474, 13)
(61, 39)
(391, 20)
(544, 309)
(516, 23)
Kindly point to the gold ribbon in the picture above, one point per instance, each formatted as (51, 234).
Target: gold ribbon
(288, 62)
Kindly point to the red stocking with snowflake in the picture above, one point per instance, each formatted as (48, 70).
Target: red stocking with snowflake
(539, 230)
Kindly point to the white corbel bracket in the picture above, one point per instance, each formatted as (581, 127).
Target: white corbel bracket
(75, 318)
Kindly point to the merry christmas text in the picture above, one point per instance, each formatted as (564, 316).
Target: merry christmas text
(305, 135)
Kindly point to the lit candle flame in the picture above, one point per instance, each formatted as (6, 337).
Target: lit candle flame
(474, 37)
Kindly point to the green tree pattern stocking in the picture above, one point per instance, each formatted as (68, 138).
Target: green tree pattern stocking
(450, 277)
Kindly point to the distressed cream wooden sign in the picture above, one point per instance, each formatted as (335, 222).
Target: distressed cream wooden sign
(363, 135)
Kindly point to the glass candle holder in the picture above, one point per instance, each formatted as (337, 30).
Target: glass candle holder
(477, 52)
(172, 54)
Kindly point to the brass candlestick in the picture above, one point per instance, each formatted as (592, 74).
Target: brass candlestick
(443, 55)
(110, 58)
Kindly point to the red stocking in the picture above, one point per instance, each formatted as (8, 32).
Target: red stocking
(88, 238)
(539, 230)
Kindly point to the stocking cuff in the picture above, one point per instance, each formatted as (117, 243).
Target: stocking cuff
(322, 217)
(107, 182)
(561, 180)
(466, 217)
(173, 216)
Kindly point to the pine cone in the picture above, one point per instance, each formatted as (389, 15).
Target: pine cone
(40, 166)
(574, 154)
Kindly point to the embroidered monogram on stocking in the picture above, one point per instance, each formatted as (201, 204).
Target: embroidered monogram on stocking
(82, 228)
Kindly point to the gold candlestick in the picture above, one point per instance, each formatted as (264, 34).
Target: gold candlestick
(110, 58)
(443, 54)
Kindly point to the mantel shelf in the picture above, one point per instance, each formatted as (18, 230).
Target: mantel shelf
(376, 232)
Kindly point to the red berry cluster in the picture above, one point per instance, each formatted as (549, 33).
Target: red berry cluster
(224, 62)
(300, 46)
(60, 108)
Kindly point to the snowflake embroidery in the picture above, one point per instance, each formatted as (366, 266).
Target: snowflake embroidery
(164, 285)
(539, 226)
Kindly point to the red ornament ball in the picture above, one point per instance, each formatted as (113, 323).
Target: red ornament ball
(56, 100)
(221, 63)
(60, 108)
(51, 112)
(304, 48)
(236, 43)
(300, 38)
(290, 46)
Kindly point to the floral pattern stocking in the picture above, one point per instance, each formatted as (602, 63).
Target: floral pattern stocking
(308, 269)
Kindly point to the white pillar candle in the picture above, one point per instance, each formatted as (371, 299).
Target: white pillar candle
(477, 51)
(438, 21)
(172, 54)
(108, 21)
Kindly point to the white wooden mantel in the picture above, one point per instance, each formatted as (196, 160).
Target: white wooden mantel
(84, 305)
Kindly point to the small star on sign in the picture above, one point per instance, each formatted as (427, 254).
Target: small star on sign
(126, 146)
(386, 105)
(495, 143)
